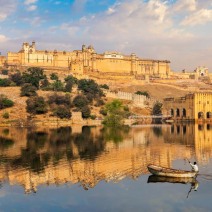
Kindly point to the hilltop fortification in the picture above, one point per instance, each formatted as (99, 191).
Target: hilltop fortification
(87, 60)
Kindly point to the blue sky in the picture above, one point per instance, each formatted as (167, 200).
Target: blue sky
(176, 30)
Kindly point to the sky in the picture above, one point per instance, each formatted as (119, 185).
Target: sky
(175, 30)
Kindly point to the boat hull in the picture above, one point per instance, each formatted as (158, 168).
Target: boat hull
(167, 172)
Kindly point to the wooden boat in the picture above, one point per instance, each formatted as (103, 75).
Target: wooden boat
(177, 180)
(167, 172)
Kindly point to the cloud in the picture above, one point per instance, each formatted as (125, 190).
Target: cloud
(32, 8)
(189, 5)
(152, 29)
(7, 7)
(28, 2)
(199, 17)
(30, 5)
(3, 38)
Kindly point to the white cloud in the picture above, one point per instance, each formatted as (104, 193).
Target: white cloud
(200, 17)
(152, 29)
(6, 8)
(32, 8)
(189, 5)
(158, 9)
(3, 38)
(28, 2)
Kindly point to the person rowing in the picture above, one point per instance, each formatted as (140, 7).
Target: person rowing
(194, 166)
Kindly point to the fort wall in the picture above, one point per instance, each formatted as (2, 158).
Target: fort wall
(87, 60)
(138, 100)
(2, 61)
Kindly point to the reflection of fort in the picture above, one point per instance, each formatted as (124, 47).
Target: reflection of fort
(198, 135)
(33, 158)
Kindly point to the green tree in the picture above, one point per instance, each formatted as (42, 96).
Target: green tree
(157, 108)
(16, 78)
(80, 101)
(44, 85)
(28, 90)
(62, 111)
(33, 75)
(72, 79)
(68, 86)
(115, 114)
(60, 99)
(5, 82)
(54, 76)
(5, 102)
(36, 105)
(86, 112)
(144, 93)
(58, 86)
(105, 86)
(90, 88)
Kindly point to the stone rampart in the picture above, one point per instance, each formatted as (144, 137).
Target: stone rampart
(138, 100)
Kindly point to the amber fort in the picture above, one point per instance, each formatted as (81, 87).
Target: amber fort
(86, 60)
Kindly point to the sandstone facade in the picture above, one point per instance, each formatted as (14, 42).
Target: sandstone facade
(87, 60)
(195, 106)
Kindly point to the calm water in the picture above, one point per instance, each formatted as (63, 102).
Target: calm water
(94, 169)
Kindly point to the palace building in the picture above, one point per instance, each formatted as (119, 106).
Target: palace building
(195, 106)
(87, 60)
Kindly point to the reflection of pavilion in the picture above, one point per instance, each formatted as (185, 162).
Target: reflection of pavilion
(199, 136)
(112, 162)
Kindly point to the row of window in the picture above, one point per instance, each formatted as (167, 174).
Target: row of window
(201, 115)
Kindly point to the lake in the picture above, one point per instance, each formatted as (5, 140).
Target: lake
(95, 169)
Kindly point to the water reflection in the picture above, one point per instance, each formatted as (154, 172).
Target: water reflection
(180, 180)
(86, 156)
(174, 180)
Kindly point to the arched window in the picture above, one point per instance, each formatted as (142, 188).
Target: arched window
(200, 115)
(178, 112)
(184, 112)
(209, 115)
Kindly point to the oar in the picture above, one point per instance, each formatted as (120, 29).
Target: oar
(188, 160)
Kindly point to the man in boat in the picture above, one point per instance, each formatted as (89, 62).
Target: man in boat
(194, 166)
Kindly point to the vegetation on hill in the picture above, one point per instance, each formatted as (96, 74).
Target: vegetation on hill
(36, 105)
(5, 102)
(60, 105)
(144, 93)
(116, 112)
(89, 97)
